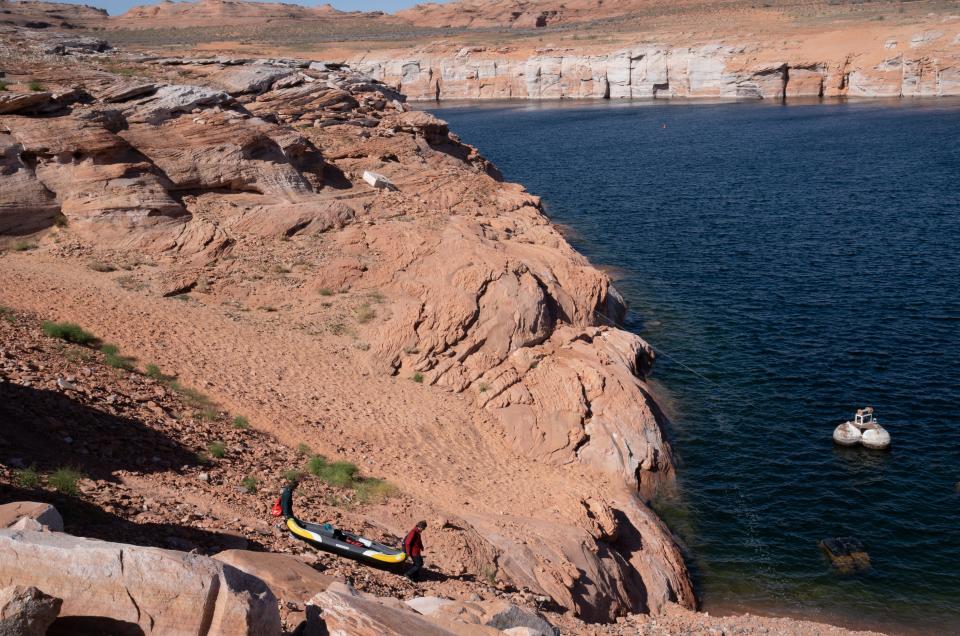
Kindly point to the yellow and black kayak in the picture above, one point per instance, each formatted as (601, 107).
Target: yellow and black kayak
(326, 537)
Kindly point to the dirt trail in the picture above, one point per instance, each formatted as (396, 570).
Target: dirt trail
(304, 389)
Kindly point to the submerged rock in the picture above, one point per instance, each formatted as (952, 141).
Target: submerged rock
(847, 554)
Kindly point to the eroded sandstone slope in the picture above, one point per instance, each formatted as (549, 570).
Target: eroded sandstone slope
(440, 329)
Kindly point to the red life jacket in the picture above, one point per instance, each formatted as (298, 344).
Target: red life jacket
(412, 544)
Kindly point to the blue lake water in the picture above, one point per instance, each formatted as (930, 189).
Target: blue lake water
(805, 259)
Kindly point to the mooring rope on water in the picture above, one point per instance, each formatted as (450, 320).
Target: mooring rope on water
(659, 351)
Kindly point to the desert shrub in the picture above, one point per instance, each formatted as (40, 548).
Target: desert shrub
(130, 283)
(153, 371)
(340, 474)
(417, 377)
(35, 85)
(100, 266)
(27, 477)
(304, 449)
(69, 332)
(250, 484)
(60, 220)
(325, 291)
(241, 423)
(112, 357)
(3, 85)
(375, 296)
(23, 246)
(65, 480)
(484, 387)
(489, 574)
(317, 464)
(191, 396)
(372, 490)
(280, 269)
(365, 313)
(7, 314)
(292, 474)
(217, 449)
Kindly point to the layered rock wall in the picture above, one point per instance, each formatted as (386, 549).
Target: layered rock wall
(926, 65)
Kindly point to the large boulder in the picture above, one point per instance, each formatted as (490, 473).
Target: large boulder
(357, 616)
(43, 513)
(499, 615)
(289, 578)
(504, 616)
(170, 100)
(109, 587)
(26, 611)
(253, 78)
(23, 102)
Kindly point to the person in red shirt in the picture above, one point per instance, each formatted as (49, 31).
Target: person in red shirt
(413, 546)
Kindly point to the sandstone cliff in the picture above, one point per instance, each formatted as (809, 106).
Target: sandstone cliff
(897, 62)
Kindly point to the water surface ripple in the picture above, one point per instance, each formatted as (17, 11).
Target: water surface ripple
(805, 260)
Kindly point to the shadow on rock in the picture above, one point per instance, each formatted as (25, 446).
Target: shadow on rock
(85, 519)
(50, 430)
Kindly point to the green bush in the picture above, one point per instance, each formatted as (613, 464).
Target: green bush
(3, 85)
(326, 291)
(417, 377)
(372, 490)
(68, 331)
(340, 474)
(304, 449)
(195, 399)
(112, 357)
(23, 246)
(241, 423)
(217, 449)
(27, 477)
(35, 85)
(153, 371)
(65, 480)
(317, 464)
(250, 484)
(292, 474)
